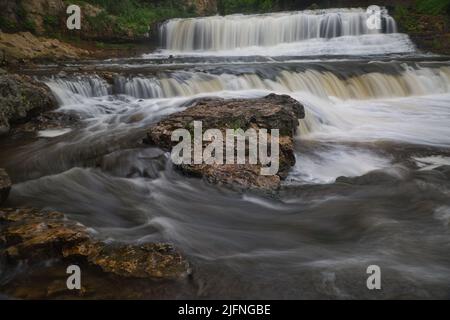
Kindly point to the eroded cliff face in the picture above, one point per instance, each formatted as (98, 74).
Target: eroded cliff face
(21, 97)
(48, 17)
(43, 17)
(37, 11)
(29, 13)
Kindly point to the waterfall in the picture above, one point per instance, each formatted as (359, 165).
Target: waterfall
(408, 81)
(241, 31)
(72, 90)
(138, 87)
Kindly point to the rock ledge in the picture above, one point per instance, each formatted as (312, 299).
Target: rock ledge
(271, 112)
(30, 235)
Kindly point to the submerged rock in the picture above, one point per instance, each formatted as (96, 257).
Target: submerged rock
(22, 98)
(5, 185)
(51, 120)
(271, 112)
(34, 236)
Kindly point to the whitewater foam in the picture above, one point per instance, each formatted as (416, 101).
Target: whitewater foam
(299, 33)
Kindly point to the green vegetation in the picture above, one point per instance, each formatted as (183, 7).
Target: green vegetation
(433, 7)
(428, 21)
(424, 16)
(29, 25)
(128, 19)
(124, 20)
(407, 19)
(102, 21)
(134, 15)
(245, 6)
(50, 22)
(10, 25)
(6, 24)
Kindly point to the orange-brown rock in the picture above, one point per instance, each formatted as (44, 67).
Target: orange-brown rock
(271, 112)
(30, 235)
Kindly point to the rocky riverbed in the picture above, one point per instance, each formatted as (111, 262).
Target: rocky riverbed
(36, 241)
(29, 237)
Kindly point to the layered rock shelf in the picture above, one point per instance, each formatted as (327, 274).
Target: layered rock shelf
(271, 112)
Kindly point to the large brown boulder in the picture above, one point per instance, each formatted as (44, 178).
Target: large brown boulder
(5, 185)
(30, 235)
(271, 112)
(21, 98)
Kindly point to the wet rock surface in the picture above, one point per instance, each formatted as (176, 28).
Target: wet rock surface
(271, 112)
(51, 120)
(22, 98)
(32, 237)
(5, 185)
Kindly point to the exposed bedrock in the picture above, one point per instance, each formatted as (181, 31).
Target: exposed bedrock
(32, 237)
(271, 112)
(21, 99)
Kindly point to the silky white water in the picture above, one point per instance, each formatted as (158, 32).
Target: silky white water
(363, 45)
(316, 32)
(410, 81)
(408, 106)
(239, 31)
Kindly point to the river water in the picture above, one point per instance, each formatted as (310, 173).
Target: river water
(371, 185)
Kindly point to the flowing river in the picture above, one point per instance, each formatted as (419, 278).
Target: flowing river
(371, 185)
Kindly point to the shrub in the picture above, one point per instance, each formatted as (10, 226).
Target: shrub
(29, 25)
(50, 22)
(433, 7)
(245, 6)
(7, 25)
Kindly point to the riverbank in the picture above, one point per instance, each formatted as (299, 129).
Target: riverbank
(24, 48)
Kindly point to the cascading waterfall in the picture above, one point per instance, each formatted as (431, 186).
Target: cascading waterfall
(242, 31)
(332, 96)
(145, 88)
(324, 84)
(72, 90)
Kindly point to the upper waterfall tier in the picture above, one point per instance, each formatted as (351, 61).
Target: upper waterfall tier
(241, 31)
